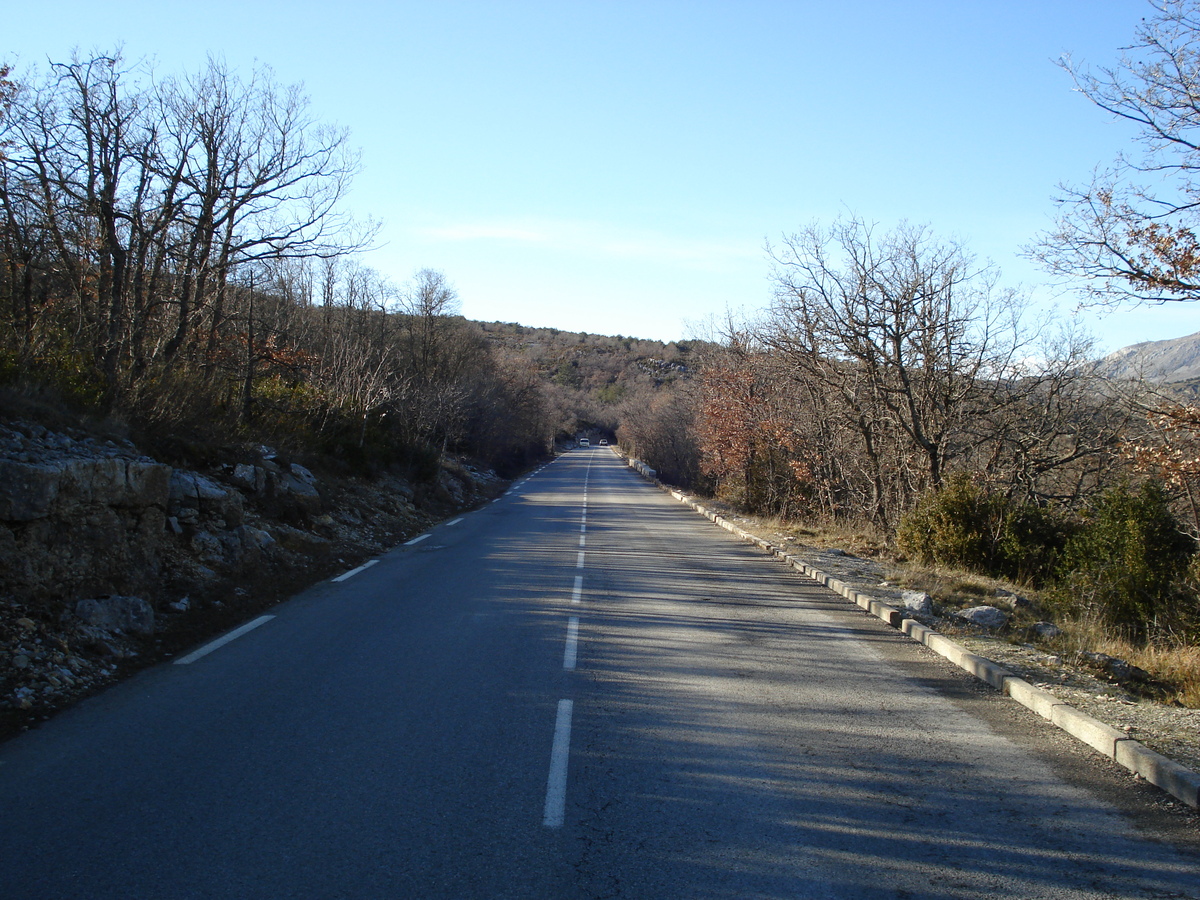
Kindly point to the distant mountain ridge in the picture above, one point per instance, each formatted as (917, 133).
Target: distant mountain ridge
(1174, 360)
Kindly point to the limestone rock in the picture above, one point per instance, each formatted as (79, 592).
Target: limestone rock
(249, 478)
(984, 616)
(191, 490)
(1046, 630)
(208, 547)
(27, 490)
(31, 491)
(303, 474)
(91, 481)
(146, 484)
(291, 497)
(254, 539)
(129, 614)
(245, 544)
(194, 489)
(305, 495)
(917, 602)
(1012, 601)
(299, 541)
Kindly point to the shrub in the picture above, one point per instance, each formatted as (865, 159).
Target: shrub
(965, 526)
(1127, 562)
(956, 526)
(68, 374)
(1031, 542)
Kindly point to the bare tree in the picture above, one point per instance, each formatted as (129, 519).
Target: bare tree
(658, 426)
(902, 328)
(1051, 430)
(78, 149)
(153, 193)
(1131, 233)
(263, 179)
(888, 362)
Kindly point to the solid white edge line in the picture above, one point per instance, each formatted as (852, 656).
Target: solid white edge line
(416, 540)
(354, 572)
(571, 651)
(556, 783)
(222, 641)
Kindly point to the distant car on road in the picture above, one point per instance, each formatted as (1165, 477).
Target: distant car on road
(584, 442)
(603, 442)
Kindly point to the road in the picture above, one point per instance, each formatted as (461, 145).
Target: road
(580, 690)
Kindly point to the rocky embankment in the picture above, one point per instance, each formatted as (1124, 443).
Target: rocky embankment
(110, 560)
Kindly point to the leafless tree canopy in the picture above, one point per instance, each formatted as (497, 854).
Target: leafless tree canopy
(175, 249)
(1131, 233)
(888, 362)
(134, 203)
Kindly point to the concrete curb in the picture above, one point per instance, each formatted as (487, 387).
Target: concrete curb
(1177, 780)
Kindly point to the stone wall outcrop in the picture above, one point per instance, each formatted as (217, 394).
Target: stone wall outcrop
(77, 515)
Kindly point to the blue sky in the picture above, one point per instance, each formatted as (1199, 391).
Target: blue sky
(616, 167)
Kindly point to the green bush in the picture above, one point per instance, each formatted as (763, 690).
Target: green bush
(964, 526)
(1126, 563)
(67, 373)
(956, 526)
(1031, 542)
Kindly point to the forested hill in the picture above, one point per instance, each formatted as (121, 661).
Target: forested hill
(608, 365)
(595, 379)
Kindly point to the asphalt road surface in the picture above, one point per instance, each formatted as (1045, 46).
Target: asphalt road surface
(581, 690)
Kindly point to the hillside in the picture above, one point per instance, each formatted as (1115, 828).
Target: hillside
(590, 382)
(111, 559)
(1174, 360)
(593, 362)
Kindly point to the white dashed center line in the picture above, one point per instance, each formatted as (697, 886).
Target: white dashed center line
(572, 648)
(556, 783)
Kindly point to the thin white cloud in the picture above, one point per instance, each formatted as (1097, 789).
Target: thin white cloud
(482, 232)
(602, 240)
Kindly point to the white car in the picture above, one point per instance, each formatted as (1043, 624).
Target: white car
(584, 442)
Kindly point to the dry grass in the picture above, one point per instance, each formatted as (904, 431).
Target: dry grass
(1171, 661)
(861, 540)
(1176, 664)
(949, 587)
